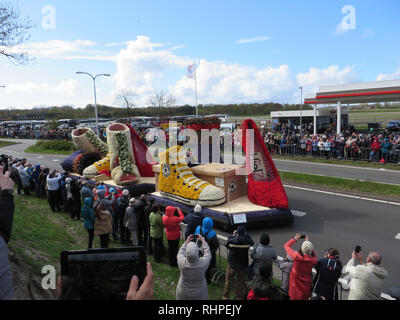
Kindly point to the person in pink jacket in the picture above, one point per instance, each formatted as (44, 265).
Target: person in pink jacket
(173, 217)
(304, 260)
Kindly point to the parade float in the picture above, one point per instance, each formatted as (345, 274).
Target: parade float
(250, 193)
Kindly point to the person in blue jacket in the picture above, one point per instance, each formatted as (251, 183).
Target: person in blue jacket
(206, 230)
(88, 219)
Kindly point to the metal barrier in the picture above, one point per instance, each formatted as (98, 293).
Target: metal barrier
(220, 272)
(360, 154)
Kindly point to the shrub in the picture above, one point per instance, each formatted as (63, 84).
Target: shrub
(56, 145)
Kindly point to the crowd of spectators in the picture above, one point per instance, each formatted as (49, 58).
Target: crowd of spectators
(384, 147)
(38, 134)
(106, 211)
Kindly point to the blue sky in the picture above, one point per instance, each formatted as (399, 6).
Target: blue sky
(246, 50)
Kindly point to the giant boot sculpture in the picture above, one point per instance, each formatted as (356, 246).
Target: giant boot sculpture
(122, 160)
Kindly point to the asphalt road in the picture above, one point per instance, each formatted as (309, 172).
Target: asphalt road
(340, 222)
(329, 220)
(17, 151)
(340, 171)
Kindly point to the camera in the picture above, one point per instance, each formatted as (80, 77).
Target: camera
(357, 249)
(303, 236)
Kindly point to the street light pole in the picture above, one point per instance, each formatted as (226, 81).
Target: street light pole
(95, 95)
(301, 109)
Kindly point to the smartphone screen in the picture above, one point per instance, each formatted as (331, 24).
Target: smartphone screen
(101, 274)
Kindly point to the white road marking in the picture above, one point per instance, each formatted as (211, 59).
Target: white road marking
(338, 165)
(344, 195)
(397, 236)
(298, 213)
(330, 176)
(56, 160)
(40, 157)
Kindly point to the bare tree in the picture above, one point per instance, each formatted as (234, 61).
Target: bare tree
(162, 99)
(126, 96)
(13, 32)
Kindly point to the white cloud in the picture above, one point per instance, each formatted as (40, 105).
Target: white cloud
(28, 94)
(331, 75)
(139, 64)
(60, 49)
(392, 76)
(220, 82)
(255, 39)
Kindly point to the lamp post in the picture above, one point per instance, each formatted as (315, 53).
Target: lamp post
(95, 96)
(301, 109)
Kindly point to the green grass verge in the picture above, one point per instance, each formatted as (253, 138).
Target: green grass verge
(341, 183)
(60, 147)
(39, 236)
(7, 143)
(375, 165)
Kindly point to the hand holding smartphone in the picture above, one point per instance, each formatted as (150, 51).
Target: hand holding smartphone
(101, 274)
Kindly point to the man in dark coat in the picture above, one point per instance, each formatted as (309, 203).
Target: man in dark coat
(238, 246)
(147, 211)
(139, 211)
(193, 220)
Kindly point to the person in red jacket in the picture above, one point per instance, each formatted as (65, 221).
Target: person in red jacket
(375, 146)
(173, 217)
(304, 260)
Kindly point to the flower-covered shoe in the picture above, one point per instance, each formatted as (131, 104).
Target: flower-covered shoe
(177, 182)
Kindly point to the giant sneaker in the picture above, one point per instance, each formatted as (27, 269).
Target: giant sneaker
(177, 182)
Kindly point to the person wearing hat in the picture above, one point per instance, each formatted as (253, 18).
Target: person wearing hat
(238, 246)
(193, 220)
(304, 260)
(131, 221)
(86, 192)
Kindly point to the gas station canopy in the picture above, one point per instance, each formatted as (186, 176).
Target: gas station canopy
(366, 92)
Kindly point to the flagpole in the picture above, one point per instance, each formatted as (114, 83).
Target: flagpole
(195, 87)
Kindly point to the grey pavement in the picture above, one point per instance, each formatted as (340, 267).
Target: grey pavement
(17, 151)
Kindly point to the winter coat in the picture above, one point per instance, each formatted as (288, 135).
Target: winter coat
(86, 192)
(24, 177)
(238, 251)
(206, 230)
(300, 282)
(88, 214)
(36, 173)
(329, 271)
(171, 223)
(156, 225)
(192, 283)
(286, 267)
(131, 219)
(103, 224)
(262, 257)
(102, 199)
(121, 205)
(367, 280)
(7, 214)
(192, 220)
(139, 209)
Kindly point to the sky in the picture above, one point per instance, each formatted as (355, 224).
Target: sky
(245, 51)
